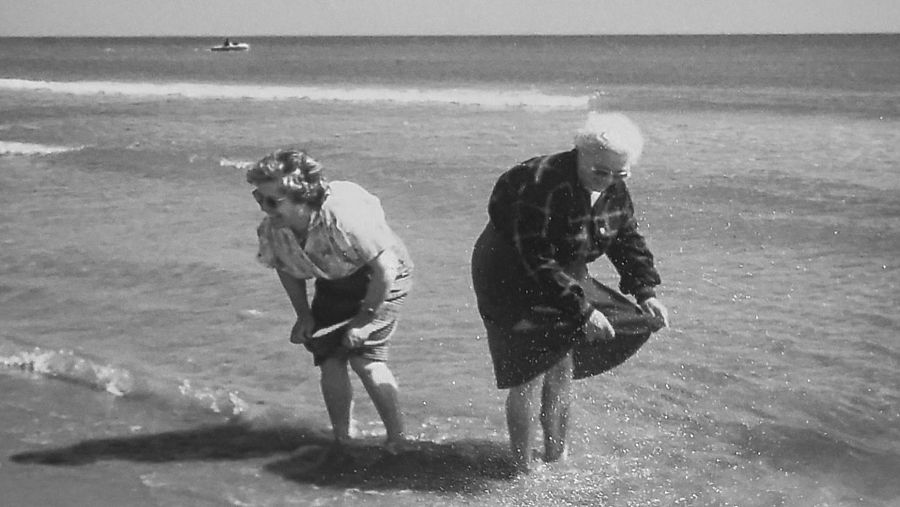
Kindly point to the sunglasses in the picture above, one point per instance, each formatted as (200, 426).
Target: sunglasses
(266, 201)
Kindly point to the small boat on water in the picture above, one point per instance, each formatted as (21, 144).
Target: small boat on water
(228, 45)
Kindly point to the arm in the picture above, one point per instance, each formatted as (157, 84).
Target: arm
(383, 273)
(296, 291)
(540, 220)
(632, 258)
(361, 230)
(634, 262)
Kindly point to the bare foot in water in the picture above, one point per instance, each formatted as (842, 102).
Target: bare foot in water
(534, 467)
(396, 446)
(541, 462)
(556, 454)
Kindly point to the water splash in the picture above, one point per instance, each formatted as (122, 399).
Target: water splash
(220, 401)
(66, 365)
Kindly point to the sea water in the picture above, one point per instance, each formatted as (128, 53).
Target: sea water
(144, 354)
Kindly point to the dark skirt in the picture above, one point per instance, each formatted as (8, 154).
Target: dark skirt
(335, 301)
(527, 336)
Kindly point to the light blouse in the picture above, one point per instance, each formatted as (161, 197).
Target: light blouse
(346, 233)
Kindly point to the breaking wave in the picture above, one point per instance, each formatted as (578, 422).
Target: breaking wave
(70, 367)
(28, 149)
(487, 98)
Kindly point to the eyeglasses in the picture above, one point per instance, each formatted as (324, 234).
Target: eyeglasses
(604, 172)
(266, 201)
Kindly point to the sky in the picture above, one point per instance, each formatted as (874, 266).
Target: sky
(236, 18)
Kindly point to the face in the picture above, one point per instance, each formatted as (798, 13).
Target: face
(281, 210)
(598, 169)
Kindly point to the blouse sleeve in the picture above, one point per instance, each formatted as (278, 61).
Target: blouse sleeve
(362, 228)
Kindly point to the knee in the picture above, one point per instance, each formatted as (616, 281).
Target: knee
(376, 371)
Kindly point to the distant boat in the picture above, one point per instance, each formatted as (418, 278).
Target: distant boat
(228, 45)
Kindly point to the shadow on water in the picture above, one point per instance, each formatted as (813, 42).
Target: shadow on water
(809, 452)
(463, 466)
(458, 467)
(230, 441)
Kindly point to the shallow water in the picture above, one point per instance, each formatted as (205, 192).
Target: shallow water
(145, 352)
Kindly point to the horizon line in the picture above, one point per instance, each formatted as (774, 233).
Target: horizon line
(447, 35)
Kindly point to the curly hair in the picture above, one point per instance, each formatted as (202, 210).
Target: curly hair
(300, 177)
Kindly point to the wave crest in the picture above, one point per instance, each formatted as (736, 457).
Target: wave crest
(16, 148)
(65, 364)
(488, 98)
(68, 366)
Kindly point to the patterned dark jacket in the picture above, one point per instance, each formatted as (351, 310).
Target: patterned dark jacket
(543, 210)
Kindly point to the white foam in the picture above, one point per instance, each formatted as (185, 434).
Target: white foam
(66, 364)
(219, 400)
(242, 165)
(488, 98)
(15, 148)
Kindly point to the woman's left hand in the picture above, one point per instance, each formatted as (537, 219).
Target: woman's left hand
(657, 309)
(355, 337)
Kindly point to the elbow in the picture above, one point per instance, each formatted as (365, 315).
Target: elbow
(384, 267)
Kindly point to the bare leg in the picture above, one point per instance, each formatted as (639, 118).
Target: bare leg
(520, 421)
(383, 390)
(555, 400)
(338, 394)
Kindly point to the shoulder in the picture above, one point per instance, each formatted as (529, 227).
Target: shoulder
(346, 189)
(535, 183)
(350, 206)
(346, 199)
(547, 171)
(558, 165)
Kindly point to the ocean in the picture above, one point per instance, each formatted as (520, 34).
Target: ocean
(144, 354)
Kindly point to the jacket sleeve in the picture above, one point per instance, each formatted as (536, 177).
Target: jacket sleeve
(539, 217)
(632, 258)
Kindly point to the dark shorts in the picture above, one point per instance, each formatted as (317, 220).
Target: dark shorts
(337, 300)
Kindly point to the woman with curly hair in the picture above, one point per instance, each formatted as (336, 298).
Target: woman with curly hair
(336, 234)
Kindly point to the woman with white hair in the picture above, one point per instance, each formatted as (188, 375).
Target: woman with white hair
(548, 322)
(335, 233)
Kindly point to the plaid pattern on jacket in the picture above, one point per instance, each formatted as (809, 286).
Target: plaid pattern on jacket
(543, 210)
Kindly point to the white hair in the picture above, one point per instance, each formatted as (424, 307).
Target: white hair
(611, 131)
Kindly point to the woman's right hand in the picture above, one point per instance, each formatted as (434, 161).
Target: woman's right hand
(303, 329)
(598, 327)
